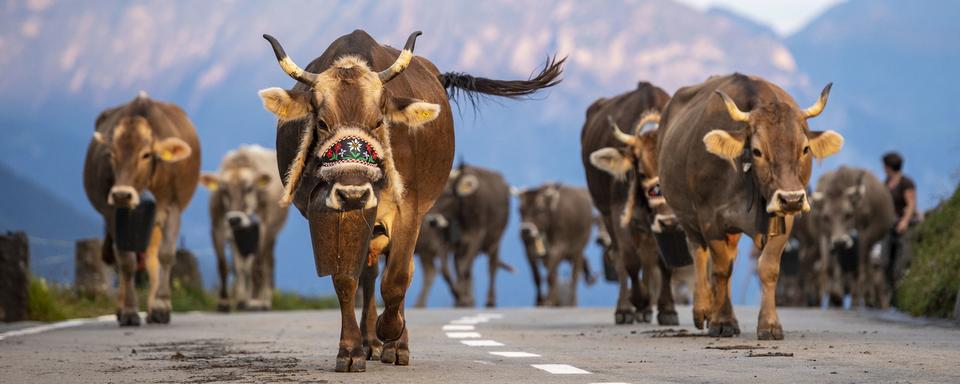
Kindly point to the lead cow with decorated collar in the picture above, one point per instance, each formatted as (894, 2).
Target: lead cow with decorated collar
(364, 154)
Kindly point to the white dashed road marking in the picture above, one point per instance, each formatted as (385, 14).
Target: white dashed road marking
(454, 327)
(515, 354)
(463, 335)
(560, 369)
(482, 343)
(58, 325)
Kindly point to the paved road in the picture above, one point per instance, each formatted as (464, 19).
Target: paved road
(820, 346)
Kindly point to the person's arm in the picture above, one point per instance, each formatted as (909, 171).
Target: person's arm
(910, 196)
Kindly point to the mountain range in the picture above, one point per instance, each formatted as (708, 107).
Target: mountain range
(891, 62)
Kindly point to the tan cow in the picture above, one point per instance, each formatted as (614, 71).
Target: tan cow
(144, 145)
(246, 188)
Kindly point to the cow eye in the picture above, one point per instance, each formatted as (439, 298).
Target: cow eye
(757, 153)
(806, 150)
(145, 155)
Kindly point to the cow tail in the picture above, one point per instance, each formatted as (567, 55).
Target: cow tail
(461, 85)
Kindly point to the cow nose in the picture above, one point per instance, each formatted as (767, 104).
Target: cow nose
(122, 197)
(791, 201)
(234, 221)
(353, 198)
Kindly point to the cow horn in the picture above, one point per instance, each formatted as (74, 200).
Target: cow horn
(619, 135)
(735, 113)
(288, 66)
(402, 61)
(817, 108)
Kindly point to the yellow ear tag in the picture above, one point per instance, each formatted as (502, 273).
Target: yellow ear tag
(166, 155)
(424, 114)
(212, 186)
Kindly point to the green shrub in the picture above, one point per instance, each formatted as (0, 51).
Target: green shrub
(287, 301)
(930, 286)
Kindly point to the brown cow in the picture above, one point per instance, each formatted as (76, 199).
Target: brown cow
(735, 157)
(436, 240)
(854, 213)
(247, 186)
(144, 145)
(555, 224)
(366, 153)
(476, 204)
(621, 174)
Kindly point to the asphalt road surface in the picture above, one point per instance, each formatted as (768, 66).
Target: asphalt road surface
(509, 346)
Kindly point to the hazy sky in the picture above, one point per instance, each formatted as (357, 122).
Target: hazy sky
(785, 16)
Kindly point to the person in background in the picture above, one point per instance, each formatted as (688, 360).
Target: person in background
(904, 193)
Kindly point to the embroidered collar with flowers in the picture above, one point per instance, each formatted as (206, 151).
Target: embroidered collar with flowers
(351, 150)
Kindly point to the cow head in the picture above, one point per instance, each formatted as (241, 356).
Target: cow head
(348, 113)
(777, 147)
(836, 204)
(637, 163)
(135, 152)
(537, 209)
(241, 191)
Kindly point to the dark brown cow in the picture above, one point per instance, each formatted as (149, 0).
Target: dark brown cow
(854, 213)
(144, 145)
(555, 224)
(621, 174)
(436, 240)
(476, 204)
(735, 157)
(365, 155)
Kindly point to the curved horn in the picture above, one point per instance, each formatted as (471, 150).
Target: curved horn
(402, 61)
(817, 108)
(289, 66)
(619, 135)
(735, 113)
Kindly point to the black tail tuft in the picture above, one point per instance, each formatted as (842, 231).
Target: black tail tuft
(461, 85)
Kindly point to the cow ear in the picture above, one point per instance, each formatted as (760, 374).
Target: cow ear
(286, 105)
(98, 137)
(263, 180)
(209, 181)
(411, 112)
(612, 161)
(467, 185)
(172, 149)
(722, 144)
(825, 143)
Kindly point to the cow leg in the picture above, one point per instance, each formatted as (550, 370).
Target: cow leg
(535, 271)
(493, 256)
(126, 292)
(217, 233)
(624, 313)
(160, 312)
(666, 312)
(768, 267)
(262, 275)
(442, 257)
(152, 264)
(588, 276)
(241, 281)
(723, 322)
(553, 288)
(429, 275)
(463, 260)
(865, 284)
(351, 357)
(576, 265)
(372, 346)
(702, 292)
(391, 325)
(639, 294)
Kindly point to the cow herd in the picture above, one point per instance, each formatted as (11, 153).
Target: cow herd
(365, 150)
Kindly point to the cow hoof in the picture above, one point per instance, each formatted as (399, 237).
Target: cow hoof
(395, 352)
(128, 319)
(373, 350)
(349, 361)
(223, 307)
(772, 333)
(668, 318)
(724, 328)
(699, 317)
(645, 316)
(623, 317)
(241, 305)
(158, 316)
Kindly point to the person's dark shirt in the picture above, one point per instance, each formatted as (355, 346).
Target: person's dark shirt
(899, 193)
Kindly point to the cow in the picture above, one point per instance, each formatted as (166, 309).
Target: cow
(735, 156)
(854, 213)
(246, 191)
(622, 179)
(365, 139)
(141, 148)
(436, 240)
(476, 205)
(555, 225)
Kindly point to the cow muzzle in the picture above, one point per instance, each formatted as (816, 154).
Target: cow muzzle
(844, 241)
(123, 196)
(349, 197)
(237, 219)
(788, 202)
(531, 235)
